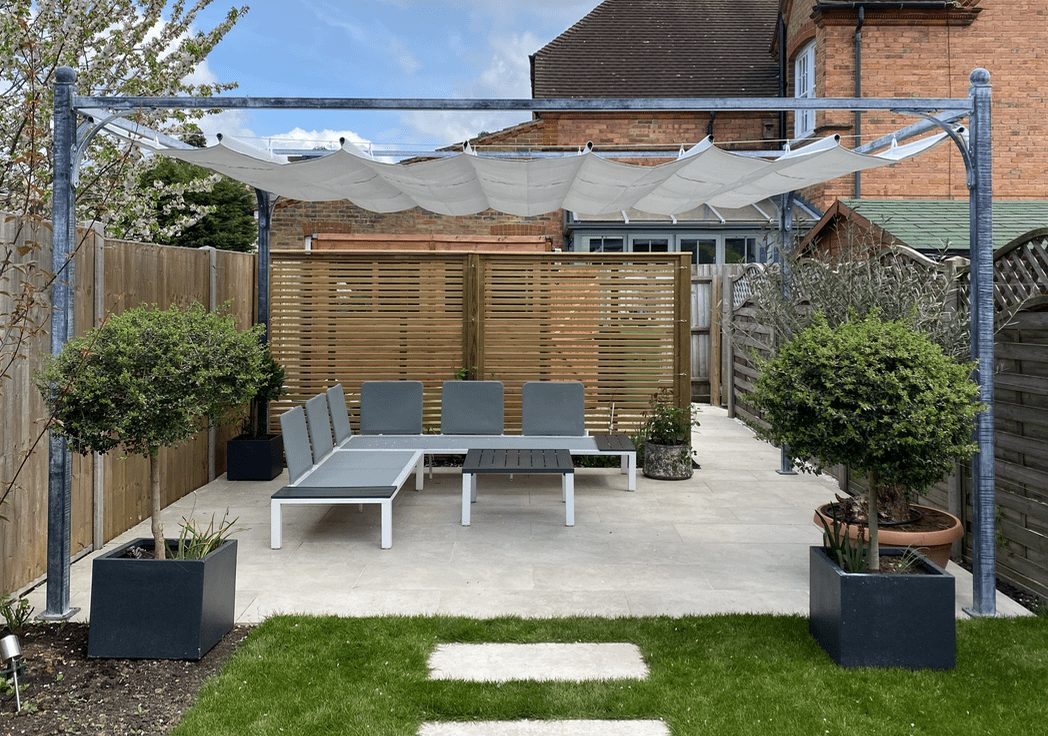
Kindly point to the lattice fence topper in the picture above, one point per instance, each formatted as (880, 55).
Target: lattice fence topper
(1020, 275)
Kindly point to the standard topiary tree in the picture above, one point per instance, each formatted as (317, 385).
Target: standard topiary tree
(151, 378)
(875, 396)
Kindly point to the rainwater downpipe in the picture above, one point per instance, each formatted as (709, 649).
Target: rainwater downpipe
(859, 20)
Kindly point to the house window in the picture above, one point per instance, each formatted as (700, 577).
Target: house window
(703, 250)
(741, 250)
(804, 87)
(606, 244)
(650, 245)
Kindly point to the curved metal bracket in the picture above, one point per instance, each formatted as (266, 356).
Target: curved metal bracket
(962, 146)
(85, 133)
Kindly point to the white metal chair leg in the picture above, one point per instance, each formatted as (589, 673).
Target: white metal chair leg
(420, 472)
(631, 482)
(274, 525)
(568, 485)
(467, 492)
(387, 524)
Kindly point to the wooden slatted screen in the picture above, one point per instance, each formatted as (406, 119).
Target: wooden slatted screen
(339, 317)
(618, 323)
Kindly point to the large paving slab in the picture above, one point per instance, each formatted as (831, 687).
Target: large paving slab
(733, 538)
(541, 662)
(546, 728)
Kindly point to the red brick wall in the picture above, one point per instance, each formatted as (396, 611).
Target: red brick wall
(921, 55)
(293, 220)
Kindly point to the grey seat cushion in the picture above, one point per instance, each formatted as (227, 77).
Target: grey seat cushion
(472, 407)
(553, 408)
(336, 399)
(319, 426)
(391, 407)
(296, 443)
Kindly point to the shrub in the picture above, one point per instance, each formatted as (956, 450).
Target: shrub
(666, 423)
(876, 396)
(151, 378)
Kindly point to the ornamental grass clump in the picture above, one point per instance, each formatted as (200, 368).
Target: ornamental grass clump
(151, 378)
(876, 396)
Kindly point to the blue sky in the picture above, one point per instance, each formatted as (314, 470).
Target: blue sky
(381, 48)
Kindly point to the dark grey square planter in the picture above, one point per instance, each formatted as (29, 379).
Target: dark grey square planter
(161, 609)
(872, 620)
(254, 458)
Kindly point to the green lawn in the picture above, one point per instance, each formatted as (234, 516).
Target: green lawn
(720, 675)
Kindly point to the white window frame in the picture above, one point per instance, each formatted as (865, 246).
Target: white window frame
(804, 88)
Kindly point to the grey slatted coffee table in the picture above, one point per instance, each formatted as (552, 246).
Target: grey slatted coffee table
(508, 462)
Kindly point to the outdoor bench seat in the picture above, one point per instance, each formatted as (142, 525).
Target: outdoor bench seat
(364, 476)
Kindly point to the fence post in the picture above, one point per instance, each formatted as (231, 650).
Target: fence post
(729, 350)
(682, 362)
(716, 294)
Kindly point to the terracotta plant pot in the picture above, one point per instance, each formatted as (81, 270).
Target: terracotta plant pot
(935, 545)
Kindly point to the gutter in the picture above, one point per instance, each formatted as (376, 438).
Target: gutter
(783, 70)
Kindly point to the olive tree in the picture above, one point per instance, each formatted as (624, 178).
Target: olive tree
(150, 378)
(874, 395)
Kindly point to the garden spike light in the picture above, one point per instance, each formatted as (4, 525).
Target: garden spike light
(10, 653)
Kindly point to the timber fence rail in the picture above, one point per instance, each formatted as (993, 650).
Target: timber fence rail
(618, 323)
(110, 493)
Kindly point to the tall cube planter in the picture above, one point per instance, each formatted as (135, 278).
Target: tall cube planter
(161, 609)
(883, 620)
(254, 458)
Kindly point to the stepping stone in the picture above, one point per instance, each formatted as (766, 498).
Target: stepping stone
(545, 662)
(546, 728)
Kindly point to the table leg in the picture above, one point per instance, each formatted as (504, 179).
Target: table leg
(631, 481)
(274, 525)
(568, 485)
(420, 472)
(473, 488)
(387, 524)
(467, 489)
(624, 464)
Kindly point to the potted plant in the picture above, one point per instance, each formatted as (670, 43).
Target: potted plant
(886, 401)
(666, 437)
(256, 454)
(146, 379)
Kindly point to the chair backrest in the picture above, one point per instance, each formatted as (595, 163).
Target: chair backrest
(319, 426)
(296, 443)
(553, 408)
(391, 407)
(336, 399)
(471, 407)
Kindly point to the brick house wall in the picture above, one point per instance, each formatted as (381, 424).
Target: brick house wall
(930, 54)
(294, 220)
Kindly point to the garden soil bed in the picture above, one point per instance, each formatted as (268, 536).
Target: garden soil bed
(64, 692)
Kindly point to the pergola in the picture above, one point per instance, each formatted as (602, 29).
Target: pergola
(743, 175)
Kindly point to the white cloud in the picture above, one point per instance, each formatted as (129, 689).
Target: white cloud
(375, 35)
(506, 73)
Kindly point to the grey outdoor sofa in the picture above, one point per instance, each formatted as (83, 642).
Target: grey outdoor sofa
(329, 464)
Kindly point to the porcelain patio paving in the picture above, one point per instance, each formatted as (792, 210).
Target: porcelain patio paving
(734, 538)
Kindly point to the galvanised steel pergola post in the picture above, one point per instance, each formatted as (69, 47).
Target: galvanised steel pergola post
(63, 234)
(980, 207)
(265, 214)
(937, 111)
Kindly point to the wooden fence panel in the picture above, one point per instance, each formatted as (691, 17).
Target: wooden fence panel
(351, 317)
(612, 322)
(110, 276)
(617, 323)
(235, 277)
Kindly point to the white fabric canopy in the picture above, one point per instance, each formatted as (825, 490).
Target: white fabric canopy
(465, 184)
